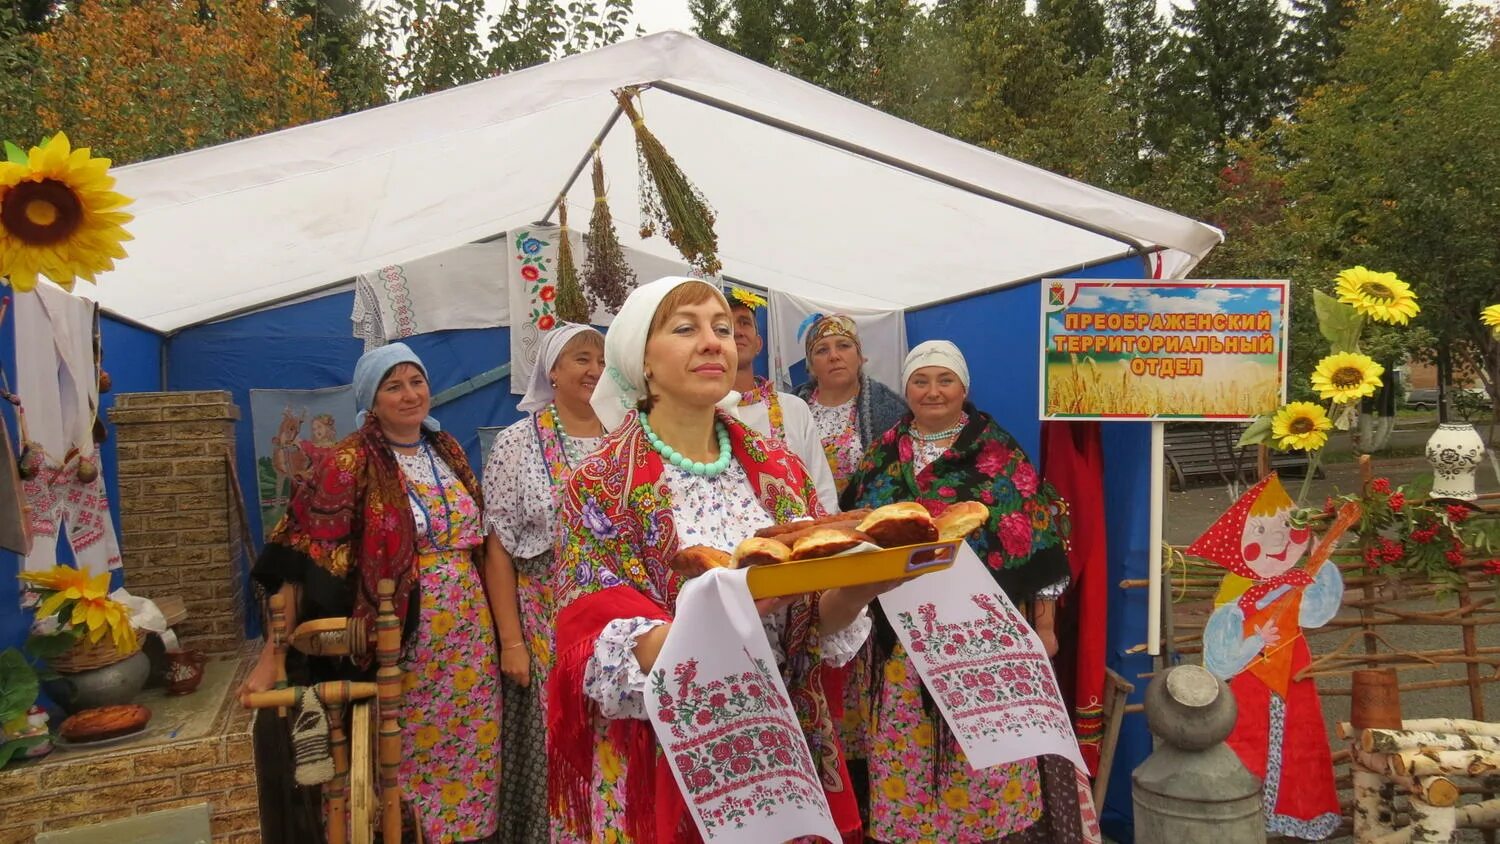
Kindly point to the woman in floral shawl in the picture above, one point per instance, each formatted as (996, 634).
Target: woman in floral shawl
(944, 451)
(396, 500)
(676, 470)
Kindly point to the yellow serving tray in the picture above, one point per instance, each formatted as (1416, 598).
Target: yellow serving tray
(815, 575)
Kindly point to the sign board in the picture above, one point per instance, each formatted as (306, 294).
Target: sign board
(1162, 349)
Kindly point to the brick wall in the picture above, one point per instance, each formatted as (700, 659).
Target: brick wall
(62, 792)
(179, 527)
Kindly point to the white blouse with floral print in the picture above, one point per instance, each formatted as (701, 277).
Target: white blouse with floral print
(720, 512)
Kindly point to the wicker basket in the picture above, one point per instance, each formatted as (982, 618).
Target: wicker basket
(87, 655)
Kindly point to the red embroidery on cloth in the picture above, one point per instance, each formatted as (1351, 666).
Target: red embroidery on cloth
(986, 671)
(732, 744)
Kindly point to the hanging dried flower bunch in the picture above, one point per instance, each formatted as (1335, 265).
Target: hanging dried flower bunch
(607, 278)
(570, 306)
(670, 203)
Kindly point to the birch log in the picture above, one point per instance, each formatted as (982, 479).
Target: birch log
(1452, 725)
(1424, 763)
(1437, 791)
(1373, 813)
(1432, 824)
(1392, 741)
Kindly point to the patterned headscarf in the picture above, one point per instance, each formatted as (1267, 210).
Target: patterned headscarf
(819, 326)
(1221, 543)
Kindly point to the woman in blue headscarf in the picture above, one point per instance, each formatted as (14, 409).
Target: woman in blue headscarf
(396, 500)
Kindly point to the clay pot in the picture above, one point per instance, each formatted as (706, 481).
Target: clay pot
(113, 684)
(184, 671)
(1376, 701)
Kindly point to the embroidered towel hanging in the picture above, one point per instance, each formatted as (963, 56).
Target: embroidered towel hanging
(726, 725)
(460, 288)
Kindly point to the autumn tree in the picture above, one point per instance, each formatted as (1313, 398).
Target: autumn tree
(151, 78)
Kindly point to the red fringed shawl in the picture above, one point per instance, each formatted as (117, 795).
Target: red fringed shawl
(616, 538)
(352, 515)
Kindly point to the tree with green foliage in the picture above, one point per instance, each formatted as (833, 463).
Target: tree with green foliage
(1080, 25)
(1397, 166)
(339, 36)
(1225, 72)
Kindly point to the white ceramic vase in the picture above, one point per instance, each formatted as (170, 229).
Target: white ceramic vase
(1454, 452)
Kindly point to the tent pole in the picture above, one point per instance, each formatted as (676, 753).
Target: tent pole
(609, 124)
(1153, 557)
(866, 152)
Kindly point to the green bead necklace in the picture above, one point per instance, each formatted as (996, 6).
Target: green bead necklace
(696, 467)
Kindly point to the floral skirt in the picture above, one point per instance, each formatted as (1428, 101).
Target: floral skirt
(912, 799)
(450, 766)
(523, 745)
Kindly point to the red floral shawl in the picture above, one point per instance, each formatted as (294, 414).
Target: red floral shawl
(616, 538)
(352, 520)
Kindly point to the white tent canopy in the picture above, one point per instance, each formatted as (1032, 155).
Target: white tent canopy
(815, 194)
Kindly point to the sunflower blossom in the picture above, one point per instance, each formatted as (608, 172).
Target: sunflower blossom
(59, 216)
(1380, 296)
(1346, 376)
(1302, 425)
(104, 615)
(66, 584)
(1491, 316)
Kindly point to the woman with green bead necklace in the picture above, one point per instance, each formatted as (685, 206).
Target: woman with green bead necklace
(524, 476)
(677, 470)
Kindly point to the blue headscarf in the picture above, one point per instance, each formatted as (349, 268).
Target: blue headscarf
(372, 368)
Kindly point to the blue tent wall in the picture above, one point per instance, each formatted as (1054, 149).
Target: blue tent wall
(308, 345)
(132, 357)
(999, 334)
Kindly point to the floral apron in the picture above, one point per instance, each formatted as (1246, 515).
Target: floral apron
(450, 770)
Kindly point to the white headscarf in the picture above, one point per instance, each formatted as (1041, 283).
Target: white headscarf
(935, 353)
(541, 391)
(624, 381)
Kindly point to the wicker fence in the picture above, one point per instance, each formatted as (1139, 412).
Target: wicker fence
(1428, 634)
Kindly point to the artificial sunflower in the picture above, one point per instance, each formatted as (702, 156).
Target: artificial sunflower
(59, 216)
(1491, 316)
(1380, 296)
(66, 584)
(1302, 425)
(101, 615)
(1346, 376)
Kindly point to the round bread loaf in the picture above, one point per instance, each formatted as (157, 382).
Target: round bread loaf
(759, 551)
(903, 523)
(961, 519)
(800, 526)
(826, 542)
(697, 559)
(105, 722)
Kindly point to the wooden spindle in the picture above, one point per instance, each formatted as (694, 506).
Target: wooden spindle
(278, 642)
(336, 790)
(388, 678)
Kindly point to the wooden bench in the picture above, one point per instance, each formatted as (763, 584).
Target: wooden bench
(1207, 449)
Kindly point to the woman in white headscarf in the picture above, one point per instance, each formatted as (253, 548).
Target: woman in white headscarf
(944, 451)
(528, 467)
(677, 470)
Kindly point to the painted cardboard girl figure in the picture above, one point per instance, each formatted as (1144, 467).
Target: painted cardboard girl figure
(1254, 641)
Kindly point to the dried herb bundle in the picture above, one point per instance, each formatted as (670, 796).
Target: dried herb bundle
(669, 202)
(607, 278)
(570, 306)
